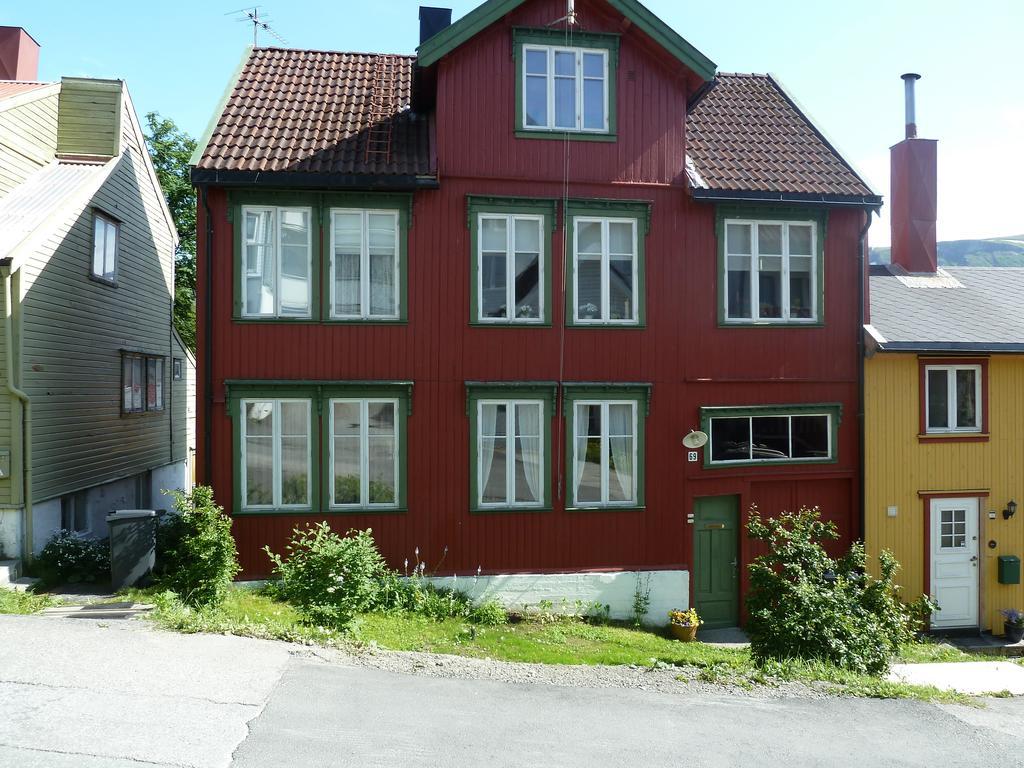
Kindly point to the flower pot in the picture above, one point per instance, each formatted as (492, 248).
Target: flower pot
(1014, 632)
(685, 634)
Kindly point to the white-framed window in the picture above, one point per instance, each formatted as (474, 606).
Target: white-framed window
(565, 89)
(953, 529)
(605, 271)
(364, 453)
(510, 267)
(277, 261)
(953, 398)
(364, 264)
(604, 452)
(774, 437)
(105, 236)
(74, 513)
(142, 383)
(510, 453)
(771, 271)
(177, 368)
(276, 454)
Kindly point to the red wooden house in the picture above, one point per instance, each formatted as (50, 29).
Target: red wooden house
(475, 299)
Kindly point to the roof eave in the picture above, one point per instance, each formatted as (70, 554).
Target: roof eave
(704, 194)
(309, 180)
(959, 347)
(447, 40)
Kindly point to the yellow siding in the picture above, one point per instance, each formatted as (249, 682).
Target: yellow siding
(898, 467)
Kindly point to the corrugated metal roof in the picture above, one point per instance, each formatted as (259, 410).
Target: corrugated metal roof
(313, 112)
(44, 194)
(967, 309)
(745, 134)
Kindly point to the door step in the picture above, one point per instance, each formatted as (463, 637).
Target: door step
(10, 571)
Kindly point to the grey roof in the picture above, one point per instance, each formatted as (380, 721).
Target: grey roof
(963, 309)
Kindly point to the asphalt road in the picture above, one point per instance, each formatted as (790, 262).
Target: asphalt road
(116, 694)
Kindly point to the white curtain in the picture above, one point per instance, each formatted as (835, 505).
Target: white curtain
(382, 284)
(529, 440)
(580, 423)
(487, 429)
(620, 444)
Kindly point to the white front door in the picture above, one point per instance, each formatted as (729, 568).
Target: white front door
(954, 565)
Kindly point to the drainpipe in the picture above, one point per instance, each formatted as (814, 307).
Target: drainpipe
(208, 342)
(26, 420)
(861, 304)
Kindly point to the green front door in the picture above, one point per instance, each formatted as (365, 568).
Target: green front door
(716, 560)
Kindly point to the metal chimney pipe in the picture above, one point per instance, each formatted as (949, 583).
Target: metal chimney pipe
(908, 92)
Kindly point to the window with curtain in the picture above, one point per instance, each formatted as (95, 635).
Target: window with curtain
(510, 453)
(277, 262)
(364, 264)
(565, 89)
(604, 453)
(953, 398)
(105, 234)
(276, 454)
(605, 268)
(510, 262)
(142, 383)
(364, 453)
(771, 271)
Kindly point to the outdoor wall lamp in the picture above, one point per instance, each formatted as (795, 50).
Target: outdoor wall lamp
(1010, 511)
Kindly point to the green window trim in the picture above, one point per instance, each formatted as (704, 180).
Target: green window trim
(544, 391)
(833, 410)
(321, 204)
(572, 392)
(640, 211)
(609, 42)
(787, 213)
(320, 393)
(484, 204)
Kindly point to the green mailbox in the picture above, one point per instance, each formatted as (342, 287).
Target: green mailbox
(1009, 569)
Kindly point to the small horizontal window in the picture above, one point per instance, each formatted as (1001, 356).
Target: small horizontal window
(770, 435)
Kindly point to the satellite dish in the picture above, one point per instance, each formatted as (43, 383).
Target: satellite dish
(695, 439)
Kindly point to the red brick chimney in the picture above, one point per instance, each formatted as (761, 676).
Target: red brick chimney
(912, 195)
(19, 55)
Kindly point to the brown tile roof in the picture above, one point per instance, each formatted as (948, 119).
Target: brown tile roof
(746, 134)
(317, 112)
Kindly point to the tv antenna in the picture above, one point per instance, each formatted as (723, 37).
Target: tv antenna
(259, 20)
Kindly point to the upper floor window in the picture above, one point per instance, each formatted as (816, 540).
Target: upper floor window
(953, 396)
(770, 434)
(510, 266)
(565, 89)
(364, 264)
(142, 383)
(565, 85)
(105, 236)
(772, 271)
(605, 267)
(277, 258)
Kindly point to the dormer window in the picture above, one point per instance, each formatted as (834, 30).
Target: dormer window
(565, 85)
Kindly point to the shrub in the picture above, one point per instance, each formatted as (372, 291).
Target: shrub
(804, 604)
(490, 613)
(70, 559)
(330, 578)
(196, 552)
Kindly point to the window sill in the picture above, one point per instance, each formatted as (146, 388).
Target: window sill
(508, 510)
(314, 321)
(508, 324)
(137, 414)
(609, 508)
(103, 281)
(767, 463)
(771, 323)
(953, 437)
(606, 324)
(552, 135)
(311, 511)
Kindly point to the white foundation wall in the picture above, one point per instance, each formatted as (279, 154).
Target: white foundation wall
(171, 477)
(10, 533)
(668, 590)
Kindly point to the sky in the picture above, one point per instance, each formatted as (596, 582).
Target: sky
(840, 60)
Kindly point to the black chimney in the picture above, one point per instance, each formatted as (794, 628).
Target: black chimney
(432, 21)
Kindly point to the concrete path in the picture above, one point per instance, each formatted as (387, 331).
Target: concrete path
(970, 677)
(91, 693)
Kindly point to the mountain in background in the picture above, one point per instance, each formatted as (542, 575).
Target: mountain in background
(993, 252)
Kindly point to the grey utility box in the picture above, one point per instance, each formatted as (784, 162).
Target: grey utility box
(132, 547)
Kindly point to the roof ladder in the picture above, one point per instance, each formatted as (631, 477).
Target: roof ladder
(383, 106)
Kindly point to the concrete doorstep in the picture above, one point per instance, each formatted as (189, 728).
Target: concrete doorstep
(975, 678)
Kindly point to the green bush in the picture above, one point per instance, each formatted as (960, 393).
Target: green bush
(490, 613)
(330, 578)
(804, 604)
(70, 559)
(196, 553)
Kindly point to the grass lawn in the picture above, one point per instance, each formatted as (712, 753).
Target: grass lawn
(256, 614)
(12, 601)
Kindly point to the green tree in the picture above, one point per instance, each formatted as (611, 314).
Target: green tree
(171, 148)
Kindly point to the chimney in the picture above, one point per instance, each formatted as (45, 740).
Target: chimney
(19, 55)
(432, 21)
(912, 194)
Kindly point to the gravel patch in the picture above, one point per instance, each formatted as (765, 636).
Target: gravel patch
(661, 678)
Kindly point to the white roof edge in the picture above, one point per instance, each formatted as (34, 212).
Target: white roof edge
(875, 334)
(696, 180)
(29, 96)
